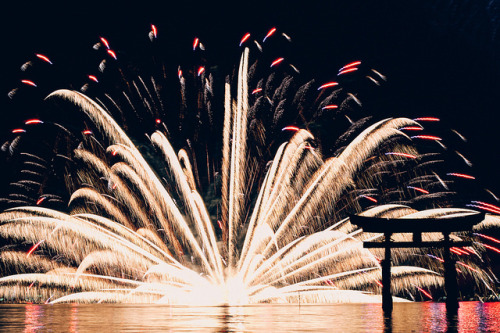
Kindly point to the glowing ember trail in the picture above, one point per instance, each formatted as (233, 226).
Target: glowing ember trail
(154, 30)
(468, 266)
(426, 293)
(328, 85)
(460, 175)
(245, 38)
(427, 119)
(419, 189)
(93, 78)
(34, 247)
(105, 42)
(352, 64)
(491, 247)
(402, 154)
(269, 34)
(44, 58)
(411, 128)
(435, 257)
(33, 121)
(485, 208)
(488, 238)
(345, 71)
(427, 137)
(28, 82)
(277, 61)
(113, 54)
(290, 128)
(372, 199)
(493, 207)
(201, 70)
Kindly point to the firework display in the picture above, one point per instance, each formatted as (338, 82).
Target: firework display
(239, 192)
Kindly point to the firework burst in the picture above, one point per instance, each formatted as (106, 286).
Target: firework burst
(257, 212)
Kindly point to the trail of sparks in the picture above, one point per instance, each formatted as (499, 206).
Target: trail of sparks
(44, 58)
(245, 38)
(419, 189)
(411, 156)
(488, 238)
(277, 61)
(432, 119)
(426, 293)
(33, 121)
(105, 42)
(112, 54)
(34, 247)
(269, 34)
(345, 71)
(460, 175)
(411, 128)
(427, 137)
(349, 65)
(93, 78)
(491, 247)
(467, 266)
(29, 83)
(154, 30)
(328, 85)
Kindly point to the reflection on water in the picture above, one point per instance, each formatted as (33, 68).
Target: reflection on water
(408, 317)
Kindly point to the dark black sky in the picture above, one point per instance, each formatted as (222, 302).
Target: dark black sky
(441, 57)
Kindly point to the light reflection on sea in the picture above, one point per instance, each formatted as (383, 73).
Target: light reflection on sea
(407, 317)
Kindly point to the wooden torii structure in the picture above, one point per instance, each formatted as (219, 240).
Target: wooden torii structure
(445, 225)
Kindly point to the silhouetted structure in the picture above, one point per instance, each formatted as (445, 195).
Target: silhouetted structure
(445, 225)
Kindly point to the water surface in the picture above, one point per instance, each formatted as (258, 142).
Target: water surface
(408, 317)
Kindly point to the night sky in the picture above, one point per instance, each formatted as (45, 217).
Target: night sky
(440, 57)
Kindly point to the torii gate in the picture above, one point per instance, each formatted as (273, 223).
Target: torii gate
(445, 225)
